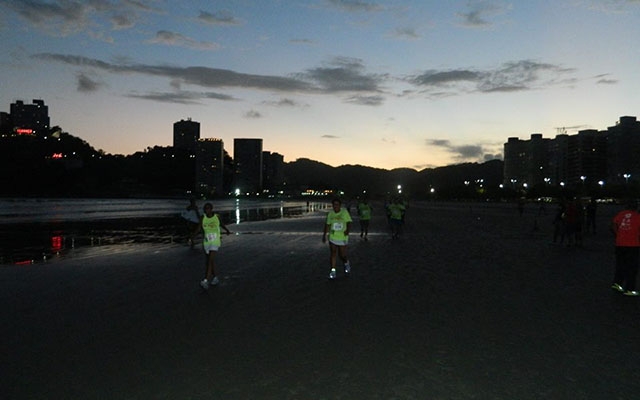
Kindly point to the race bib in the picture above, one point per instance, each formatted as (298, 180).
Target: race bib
(338, 226)
(210, 237)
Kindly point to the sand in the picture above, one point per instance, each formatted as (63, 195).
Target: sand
(472, 302)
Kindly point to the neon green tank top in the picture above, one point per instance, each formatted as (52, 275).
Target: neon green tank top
(211, 228)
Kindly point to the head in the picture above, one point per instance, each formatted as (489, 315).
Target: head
(337, 204)
(208, 209)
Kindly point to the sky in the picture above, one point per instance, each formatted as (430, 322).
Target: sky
(386, 84)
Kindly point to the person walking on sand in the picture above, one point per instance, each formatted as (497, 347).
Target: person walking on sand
(211, 226)
(337, 226)
(364, 214)
(192, 217)
(626, 227)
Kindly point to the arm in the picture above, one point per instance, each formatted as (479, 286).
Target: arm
(223, 226)
(324, 233)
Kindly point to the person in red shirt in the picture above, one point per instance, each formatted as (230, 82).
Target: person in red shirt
(626, 227)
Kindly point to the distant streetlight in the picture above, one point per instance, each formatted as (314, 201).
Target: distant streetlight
(601, 183)
(626, 178)
(399, 189)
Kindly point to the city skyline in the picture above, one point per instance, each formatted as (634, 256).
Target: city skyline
(384, 84)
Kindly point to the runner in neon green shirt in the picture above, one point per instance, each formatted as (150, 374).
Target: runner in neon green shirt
(211, 225)
(337, 225)
(364, 212)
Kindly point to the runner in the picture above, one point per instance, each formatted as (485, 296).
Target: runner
(337, 226)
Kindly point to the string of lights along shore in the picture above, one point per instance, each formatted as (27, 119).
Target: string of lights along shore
(589, 159)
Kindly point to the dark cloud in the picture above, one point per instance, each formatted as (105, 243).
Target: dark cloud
(219, 18)
(121, 21)
(343, 74)
(438, 78)
(462, 153)
(509, 77)
(366, 100)
(202, 76)
(66, 17)
(86, 84)
(285, 103)
(252, 114)
(180, 97)
(330, 137)
(354, 5)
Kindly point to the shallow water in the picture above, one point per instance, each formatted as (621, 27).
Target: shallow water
(34, 230)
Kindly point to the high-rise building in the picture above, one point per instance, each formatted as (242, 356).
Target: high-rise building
(247, 157)
(623, 148)
(272, 170)
(210, 167)
(5, 124)
(186, 135)
(30, 119)
(586, 159)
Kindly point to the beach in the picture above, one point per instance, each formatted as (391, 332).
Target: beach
(471, 302)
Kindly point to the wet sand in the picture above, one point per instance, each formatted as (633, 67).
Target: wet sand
(472, 302)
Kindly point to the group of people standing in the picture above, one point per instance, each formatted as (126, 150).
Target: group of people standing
(571, 219)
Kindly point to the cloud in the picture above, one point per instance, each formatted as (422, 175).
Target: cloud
(86, 84)
(366, 100)
(462, 153)
(252, 114)
(285, 103)
(512, 76)
(302, 41)
(180, 97)
(343, 74)
(406, 33)
(354, 5)
(603, 80)
(479, 13)
(121, 21)
(200, 76)
(220, 18)
(175, 39)
(330, 137)
(66, 17)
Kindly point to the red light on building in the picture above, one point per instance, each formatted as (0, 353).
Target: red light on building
(56, 155)
(24, 131)
(56, 243)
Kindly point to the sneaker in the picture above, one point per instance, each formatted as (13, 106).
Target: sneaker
(332, 274)
(617, 287)
(204, 284)
(631, 293)
(347, 268)
(215, 281)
